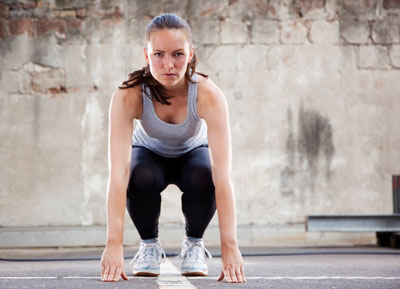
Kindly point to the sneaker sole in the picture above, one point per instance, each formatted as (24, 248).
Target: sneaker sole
(147, 274)
(194, 273)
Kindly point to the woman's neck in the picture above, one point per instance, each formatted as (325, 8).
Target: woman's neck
(180, 89)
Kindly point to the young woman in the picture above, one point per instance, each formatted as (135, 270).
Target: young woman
(182, 137)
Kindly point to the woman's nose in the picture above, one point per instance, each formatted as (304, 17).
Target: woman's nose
(168, 62)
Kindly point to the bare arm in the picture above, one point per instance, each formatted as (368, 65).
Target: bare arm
(122, 111)
(214, 109)
(119, 154)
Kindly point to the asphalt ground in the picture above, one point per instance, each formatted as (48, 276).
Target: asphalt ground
(317, 267)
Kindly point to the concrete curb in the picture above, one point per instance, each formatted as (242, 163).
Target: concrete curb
(171, 235)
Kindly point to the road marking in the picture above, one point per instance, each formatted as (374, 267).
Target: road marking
(98, 277)
(81, 277)
(311, 278)
(26, 278)
(170, 277)
(326, 277)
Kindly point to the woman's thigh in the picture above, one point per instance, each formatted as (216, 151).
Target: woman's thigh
(148, 171)
(194, 172)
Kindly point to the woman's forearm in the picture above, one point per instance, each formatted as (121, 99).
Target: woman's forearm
(225, 200)
(116, 201)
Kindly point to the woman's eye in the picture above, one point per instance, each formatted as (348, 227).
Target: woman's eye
(176, 54)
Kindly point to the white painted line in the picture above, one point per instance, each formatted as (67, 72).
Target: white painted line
(170, 277)
(26, 278)
(98, 277)
(310, 277)
(325, 277)
(81, 277)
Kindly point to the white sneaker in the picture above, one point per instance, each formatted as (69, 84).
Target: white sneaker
(194, 258)
(148, 259)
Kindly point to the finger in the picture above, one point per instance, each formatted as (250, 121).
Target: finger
(228, 276)
(105, 274)
(110, 274)
(124, 275)
(102, 271)
(242, 273)
(117, 274)
(233, 275)
(113, 272)
(221, 276)
(239, 275)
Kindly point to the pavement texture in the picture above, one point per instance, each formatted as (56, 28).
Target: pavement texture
(277, 267)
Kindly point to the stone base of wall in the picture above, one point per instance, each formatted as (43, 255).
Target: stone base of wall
(171, 236)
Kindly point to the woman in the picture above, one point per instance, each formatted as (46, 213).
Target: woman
(182, 137)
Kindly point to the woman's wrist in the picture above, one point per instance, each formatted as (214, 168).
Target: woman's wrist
(229, 244)
(113, 242)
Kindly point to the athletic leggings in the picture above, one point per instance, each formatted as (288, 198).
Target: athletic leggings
(151, 173)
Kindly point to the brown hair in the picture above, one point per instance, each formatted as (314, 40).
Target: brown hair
(143, 76)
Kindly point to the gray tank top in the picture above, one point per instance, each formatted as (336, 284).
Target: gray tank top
(166, 139)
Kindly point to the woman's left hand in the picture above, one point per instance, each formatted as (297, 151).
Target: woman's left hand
(232, 265)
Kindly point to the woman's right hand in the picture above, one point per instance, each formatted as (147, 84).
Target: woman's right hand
(112, 263)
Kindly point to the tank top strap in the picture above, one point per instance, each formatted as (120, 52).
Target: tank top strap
(192, 97)
(146, 100)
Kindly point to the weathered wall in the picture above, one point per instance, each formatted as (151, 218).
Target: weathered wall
(313, 89)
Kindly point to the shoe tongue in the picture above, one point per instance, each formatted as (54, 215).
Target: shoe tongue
(150, 252)
(196, 251)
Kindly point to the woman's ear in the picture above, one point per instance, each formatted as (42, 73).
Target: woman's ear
(191, 54)
(146, 56)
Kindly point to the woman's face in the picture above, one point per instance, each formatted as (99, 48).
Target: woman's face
(168, 53)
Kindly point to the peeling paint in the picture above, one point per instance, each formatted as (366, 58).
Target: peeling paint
(39, 79)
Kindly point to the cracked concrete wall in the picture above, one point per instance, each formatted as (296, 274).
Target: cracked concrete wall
(312, 86)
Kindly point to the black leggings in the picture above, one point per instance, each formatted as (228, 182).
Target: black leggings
(151, 173)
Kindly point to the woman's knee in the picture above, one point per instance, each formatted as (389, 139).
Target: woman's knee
(199, 179)
(145, 177)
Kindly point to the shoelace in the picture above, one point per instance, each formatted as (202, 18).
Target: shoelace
(196, 249)
(147, 253)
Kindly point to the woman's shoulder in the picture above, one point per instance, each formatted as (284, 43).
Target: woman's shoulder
(207, 89)
(132, 99)
(208, 94)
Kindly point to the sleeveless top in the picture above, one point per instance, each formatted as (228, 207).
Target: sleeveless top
(166, 139)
